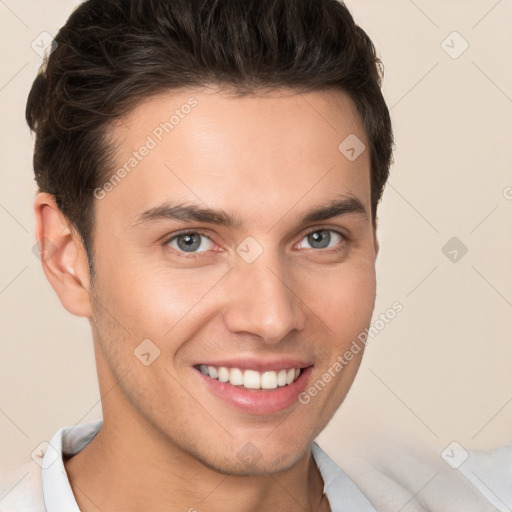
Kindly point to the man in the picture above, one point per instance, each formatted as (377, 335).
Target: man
(209, 174)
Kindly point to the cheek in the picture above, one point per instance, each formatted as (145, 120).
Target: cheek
(343, 298)
(157, 301)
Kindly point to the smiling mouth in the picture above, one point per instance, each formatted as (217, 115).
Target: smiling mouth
(251, 379)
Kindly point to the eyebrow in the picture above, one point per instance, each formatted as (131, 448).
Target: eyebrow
(341, 205)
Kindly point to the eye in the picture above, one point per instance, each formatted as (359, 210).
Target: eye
(191, 242)
(322, 239)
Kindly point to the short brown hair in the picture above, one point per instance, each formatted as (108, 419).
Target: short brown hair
(112, 54)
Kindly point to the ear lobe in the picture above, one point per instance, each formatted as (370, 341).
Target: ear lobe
(376, 244)
(63, 256)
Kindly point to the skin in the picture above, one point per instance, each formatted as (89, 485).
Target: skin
(168, 443)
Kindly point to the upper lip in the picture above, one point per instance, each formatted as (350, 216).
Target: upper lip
(259, 365)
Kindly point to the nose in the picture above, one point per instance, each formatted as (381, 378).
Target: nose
(262, 300)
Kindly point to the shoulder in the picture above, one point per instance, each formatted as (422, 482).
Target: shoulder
(21, 489)
(394, 472)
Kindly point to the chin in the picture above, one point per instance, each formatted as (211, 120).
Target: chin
(254, 459)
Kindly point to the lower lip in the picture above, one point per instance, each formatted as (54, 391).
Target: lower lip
(257, 401)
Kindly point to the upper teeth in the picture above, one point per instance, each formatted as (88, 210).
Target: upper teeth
(251, 379)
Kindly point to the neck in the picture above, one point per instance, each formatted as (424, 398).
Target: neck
(132, 466)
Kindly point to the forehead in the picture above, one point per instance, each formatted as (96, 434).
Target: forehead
(254, 153)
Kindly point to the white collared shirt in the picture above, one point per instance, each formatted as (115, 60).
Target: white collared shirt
(46, 488)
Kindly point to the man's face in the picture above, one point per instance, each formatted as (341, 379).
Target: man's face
(268, 292)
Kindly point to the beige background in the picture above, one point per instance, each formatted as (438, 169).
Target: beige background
(440, 371)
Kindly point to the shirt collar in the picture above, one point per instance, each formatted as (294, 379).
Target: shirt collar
(342, 492)
(58, 496)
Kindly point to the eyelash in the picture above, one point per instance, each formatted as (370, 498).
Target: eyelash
(183, 254)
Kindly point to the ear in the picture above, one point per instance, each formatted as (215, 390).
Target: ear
(63, 256)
